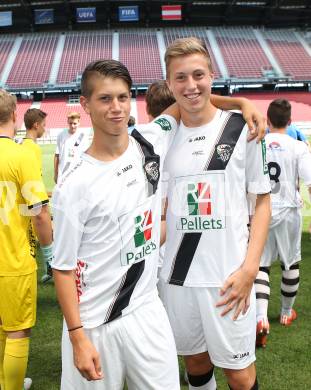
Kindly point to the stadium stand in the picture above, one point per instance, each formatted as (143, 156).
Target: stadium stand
(171, 34)
(6, 44)
(242, 53)
(33, 62)
(291, 55)
(236, 54)
(57, 110)
(140, 53)
(22, 107)
(80, 49)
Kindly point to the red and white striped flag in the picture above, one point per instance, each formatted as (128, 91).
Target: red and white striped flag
(171, 12)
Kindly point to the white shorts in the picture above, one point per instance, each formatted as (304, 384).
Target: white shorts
(198, 326)
(284, 239)
(138, 347)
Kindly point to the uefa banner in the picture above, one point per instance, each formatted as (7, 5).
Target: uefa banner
(44, 16)
(86, 15)
(6, 18)
(129, 14)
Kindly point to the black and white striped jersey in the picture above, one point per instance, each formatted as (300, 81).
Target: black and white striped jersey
(210, 170)
(107, 225)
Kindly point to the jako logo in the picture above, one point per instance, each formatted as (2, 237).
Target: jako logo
(199, 199)
(240, 355)
(143, 228)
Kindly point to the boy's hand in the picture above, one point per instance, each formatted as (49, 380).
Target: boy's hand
(236, 293)
(256, 122)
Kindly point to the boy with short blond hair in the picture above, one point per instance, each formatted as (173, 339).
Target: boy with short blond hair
(70, 144)
(211, 259)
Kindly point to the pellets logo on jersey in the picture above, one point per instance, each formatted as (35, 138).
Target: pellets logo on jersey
(144, 245)
(199, 199)
(224, 152)
(143, 228)
(200, 212)
(164, 124)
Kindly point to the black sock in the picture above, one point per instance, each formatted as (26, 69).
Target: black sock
(200, 380)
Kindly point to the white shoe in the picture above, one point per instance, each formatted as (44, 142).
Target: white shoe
(27, 383)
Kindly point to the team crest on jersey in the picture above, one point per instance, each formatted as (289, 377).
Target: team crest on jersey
(164, 124)
(152, 171)
(224, 152)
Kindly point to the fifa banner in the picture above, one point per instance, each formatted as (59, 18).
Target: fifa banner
(86, 15)
(171, 12)
(44, 16)
(6, 18)
(129, 14)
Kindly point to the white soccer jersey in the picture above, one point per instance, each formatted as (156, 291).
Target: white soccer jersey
(288, 160)
(211, 168)
(70, 146)
(107, 225)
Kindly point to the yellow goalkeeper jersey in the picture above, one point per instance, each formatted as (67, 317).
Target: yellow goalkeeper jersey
(21, 191)
(34, 148)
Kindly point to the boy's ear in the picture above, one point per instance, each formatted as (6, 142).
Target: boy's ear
(84, 104)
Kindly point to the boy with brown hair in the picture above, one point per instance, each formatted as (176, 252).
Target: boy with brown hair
(34, 120)
(35, 123)
(289, 160)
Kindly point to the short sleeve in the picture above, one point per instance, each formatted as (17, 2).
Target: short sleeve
(304, 163)
(257, 177)
(160, 133)
(30, 179)
(68, 229)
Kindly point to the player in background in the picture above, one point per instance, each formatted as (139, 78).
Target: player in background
(131, 124)
(23, 204)
(289, 161)
(71, 143)
(294, 132)
(35, 122)
(209, 265)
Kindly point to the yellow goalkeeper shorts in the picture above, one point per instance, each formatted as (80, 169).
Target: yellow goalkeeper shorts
(18, 303)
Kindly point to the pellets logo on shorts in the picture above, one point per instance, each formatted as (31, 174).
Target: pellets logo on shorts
(164, 124)
(202, 212)
(143, 243)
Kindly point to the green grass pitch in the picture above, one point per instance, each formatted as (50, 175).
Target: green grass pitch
(284, 364)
